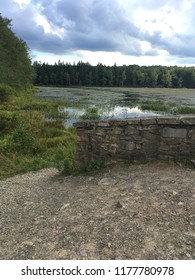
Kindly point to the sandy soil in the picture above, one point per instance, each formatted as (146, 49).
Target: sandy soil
(122, 212)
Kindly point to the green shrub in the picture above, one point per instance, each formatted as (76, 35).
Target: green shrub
(96, 165)
(7, 123)
(51, 142)
(5, 92)
(23, 140)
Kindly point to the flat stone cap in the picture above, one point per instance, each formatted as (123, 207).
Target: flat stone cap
(159, 120)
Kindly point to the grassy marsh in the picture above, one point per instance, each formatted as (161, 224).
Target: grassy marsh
(32, 132)
(27, 141)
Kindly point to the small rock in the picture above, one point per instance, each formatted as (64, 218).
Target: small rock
(107, 182)
(180, 203)
(118, 205)
(188, 255)
(109, 245)
(175, 193)
(65, 206)
(28, 243)
(91, 179)
(83, 253)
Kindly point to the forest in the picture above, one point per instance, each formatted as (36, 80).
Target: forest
(15, 63)
(84, 74)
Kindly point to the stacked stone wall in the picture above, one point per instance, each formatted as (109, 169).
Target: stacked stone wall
(135, 139)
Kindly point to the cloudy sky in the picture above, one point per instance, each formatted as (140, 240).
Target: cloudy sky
(143, 32)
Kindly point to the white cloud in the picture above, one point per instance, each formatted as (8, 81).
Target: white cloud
(122, 31)
(22, 2)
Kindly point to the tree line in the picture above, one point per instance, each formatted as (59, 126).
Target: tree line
(84, 74)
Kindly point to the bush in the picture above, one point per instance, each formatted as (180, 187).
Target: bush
(23, 140)
(5, 92)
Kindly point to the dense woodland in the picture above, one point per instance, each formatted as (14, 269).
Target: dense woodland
(15, 64)
(84, 74)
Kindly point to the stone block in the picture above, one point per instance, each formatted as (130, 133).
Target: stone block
(128, 146)
(102, 124)
(84, 125)
(110, 139)
(132, 130)
(130, 137)
(148, 121)
(169, 132)
(117, 130)
(169, 120)
(192, 133)
(133, 121)
(118, 123)
(82, 138)
(188, 120)
(151, 134)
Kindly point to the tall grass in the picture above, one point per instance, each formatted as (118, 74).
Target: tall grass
(27, 141)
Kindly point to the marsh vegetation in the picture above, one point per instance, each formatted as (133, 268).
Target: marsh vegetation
(36, 125)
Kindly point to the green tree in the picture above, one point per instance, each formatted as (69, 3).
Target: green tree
(165, 78)
(151, 78)
(15, 63)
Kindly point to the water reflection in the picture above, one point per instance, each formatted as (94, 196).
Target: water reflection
(106, 113)
(120, 112)
(74, 115)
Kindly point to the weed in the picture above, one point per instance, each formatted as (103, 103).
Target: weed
(168, 108)
(185, 110)
(5, 92)
(156, 107)
(29, 142)
(91, 114)
(23, 140)
(96, 165)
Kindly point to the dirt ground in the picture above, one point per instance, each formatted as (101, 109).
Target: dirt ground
(140, 211)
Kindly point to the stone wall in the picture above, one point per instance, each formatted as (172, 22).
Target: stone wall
(136, 139)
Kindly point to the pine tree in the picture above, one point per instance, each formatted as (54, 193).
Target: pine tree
(15, 64)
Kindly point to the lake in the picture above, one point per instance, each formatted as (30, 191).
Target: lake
(115, 103)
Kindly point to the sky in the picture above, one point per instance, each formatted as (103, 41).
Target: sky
(125, 32)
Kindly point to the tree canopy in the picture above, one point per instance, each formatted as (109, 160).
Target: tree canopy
(15, 63)
(84, 74)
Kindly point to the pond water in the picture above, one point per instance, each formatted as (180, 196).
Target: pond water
(117, 112)
(115, 102)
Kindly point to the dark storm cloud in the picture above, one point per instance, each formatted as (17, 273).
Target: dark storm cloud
(92, 25)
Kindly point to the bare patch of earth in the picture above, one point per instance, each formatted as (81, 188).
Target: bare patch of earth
(123, 212)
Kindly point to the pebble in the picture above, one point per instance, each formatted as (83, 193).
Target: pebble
(175, 193)
(28, 243)
(180, 203)
(65, 206)
(83, 253)
(107, 182)
(91, 179)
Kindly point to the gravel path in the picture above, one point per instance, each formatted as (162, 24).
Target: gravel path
(123, 212)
